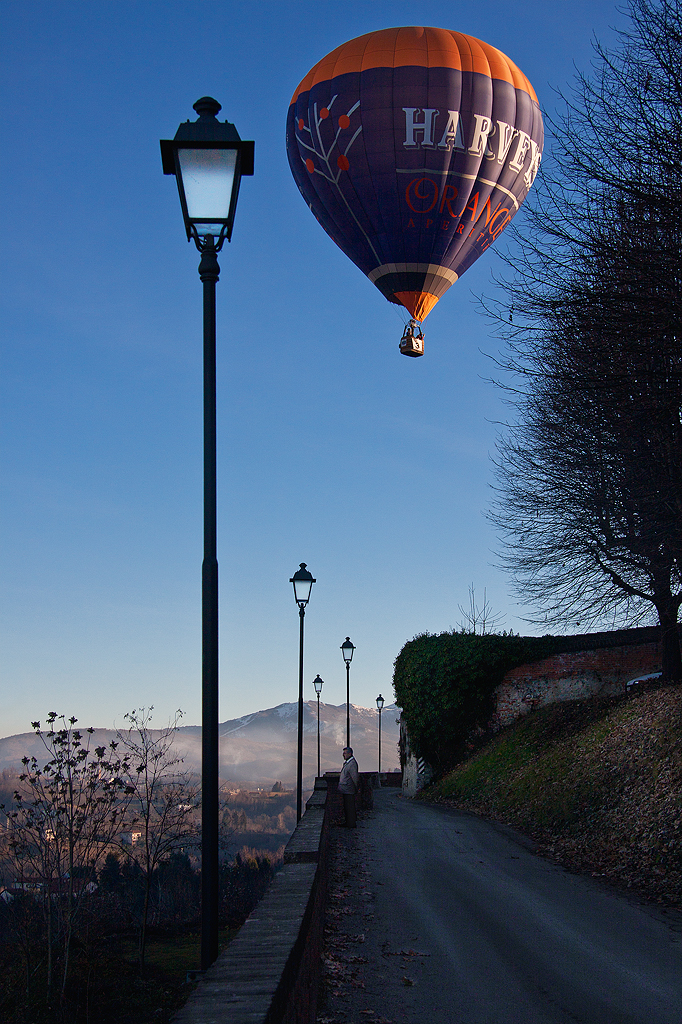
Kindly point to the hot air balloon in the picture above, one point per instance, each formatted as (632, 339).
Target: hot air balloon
(414, 148)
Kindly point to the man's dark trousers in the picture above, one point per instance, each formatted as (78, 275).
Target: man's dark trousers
(349, 809)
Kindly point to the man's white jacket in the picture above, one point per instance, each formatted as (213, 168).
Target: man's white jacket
(350, 777)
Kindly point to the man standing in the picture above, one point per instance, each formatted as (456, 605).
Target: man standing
(349, 782)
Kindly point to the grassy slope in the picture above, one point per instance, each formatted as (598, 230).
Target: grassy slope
(596, 783)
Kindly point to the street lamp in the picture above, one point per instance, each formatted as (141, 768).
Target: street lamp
(208, 160)
(303, 584)
(380, 708)
(347, 649)
(318, 684)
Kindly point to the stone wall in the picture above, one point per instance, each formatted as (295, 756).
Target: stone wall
(416, 772)
(592, 664)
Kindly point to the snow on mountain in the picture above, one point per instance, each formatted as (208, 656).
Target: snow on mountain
(259, 749)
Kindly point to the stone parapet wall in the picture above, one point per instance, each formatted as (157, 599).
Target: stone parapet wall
(270, 973)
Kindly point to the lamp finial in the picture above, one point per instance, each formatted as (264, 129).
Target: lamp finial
(207, 106)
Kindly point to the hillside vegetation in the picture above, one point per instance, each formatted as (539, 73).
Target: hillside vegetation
(595, 783)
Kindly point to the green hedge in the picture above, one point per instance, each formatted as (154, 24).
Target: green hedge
(445, 684)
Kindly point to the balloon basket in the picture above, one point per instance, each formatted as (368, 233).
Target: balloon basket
(412, 341)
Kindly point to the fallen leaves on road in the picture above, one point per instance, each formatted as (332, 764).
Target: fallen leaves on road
(344, 970)
(405, 953)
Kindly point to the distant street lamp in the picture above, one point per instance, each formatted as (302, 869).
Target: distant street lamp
(347, 649)
(318, 684)
(380, 708)
(303, 584)
(208, 159)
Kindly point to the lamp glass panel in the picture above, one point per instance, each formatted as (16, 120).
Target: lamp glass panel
(208, 178)
(302, 590)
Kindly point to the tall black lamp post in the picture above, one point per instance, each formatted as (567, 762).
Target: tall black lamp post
(208, 160)
(303, 584)
(318, 684)
(380, 708)
(347, 649)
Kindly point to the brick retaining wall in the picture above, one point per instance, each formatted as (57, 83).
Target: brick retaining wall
(579, 671)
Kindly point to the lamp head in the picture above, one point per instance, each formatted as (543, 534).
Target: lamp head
(303, 584)
(347, 649)
(380, 702)
(318, 684)
(208, 159)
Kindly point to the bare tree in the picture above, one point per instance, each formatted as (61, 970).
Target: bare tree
(479, 618)
(589, 499)
(162, 808)
(64, 817)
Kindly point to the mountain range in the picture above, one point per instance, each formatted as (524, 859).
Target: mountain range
(258, 750)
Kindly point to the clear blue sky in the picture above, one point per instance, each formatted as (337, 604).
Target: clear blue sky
(333, 448)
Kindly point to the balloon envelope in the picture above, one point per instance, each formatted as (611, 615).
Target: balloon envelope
(414, 148)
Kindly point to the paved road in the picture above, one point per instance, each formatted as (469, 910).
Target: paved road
(438, 917)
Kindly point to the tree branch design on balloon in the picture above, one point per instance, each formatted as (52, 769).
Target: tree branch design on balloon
(342, 161)
(325, 155)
